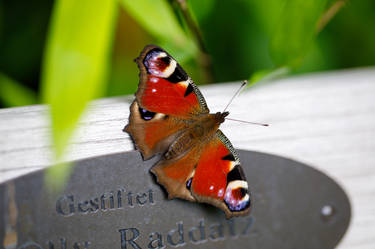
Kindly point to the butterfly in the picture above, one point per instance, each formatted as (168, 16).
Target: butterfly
(170, 117)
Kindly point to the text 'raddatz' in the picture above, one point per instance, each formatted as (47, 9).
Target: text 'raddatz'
(132, 237)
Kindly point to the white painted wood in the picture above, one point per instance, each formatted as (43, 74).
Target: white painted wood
(326, 120)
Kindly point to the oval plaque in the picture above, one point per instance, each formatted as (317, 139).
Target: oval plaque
(113, 202)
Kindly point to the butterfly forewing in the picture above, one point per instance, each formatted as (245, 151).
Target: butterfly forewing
(165, 87)
(166, 97)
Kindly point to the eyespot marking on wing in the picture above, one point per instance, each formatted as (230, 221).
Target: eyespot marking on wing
(188, 183)
(158, 63)
(236, 196)
(147, 115)
(237, 184)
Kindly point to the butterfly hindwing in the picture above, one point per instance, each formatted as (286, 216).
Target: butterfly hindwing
(175, 174)
(209, 173)
(165, 87)
(219, 179)
(152, 132)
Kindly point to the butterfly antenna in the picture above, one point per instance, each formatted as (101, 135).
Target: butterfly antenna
(247, 122)
(244, 83)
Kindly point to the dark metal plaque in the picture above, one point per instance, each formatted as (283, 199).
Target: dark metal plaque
(113, 202)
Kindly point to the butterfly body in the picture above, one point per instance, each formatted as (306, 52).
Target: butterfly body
(200, 130)
(170, 117)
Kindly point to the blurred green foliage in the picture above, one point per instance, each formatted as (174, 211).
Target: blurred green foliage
(75, 61)
(67, 52)
(295, 31)
(13, 93)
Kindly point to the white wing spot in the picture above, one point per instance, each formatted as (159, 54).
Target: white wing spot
(184, 83)
(159, 116)
(237, 184)
(246, 198)
(232, 165)
(168, 71)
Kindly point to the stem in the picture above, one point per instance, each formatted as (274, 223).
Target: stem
(329, 14)
(204, 58)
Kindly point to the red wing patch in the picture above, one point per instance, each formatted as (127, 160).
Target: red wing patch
(210, 178)
(219, 179)
(162, 96)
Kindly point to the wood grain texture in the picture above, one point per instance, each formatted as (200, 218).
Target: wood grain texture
(326, 120)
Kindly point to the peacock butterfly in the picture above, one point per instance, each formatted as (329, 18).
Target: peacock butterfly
(169, 116)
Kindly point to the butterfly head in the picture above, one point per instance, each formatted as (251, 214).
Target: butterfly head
(220, 116)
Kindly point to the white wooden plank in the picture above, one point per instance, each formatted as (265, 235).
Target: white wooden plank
(326, 120)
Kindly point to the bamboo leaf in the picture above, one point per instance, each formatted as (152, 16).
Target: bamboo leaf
(12, 93)
(158, 18)
(76, 60)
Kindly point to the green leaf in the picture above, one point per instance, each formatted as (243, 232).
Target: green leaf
(76, 61)
(295, 31)
(268, 75)
(157, 18)
(12, 93)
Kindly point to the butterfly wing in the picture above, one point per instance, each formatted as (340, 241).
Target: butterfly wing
(174, 174)
(209, 173)
(152, 132)
(165, 87)
(219, 179)
(166, 99)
